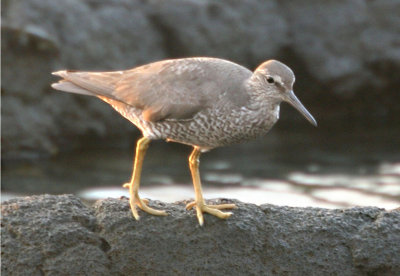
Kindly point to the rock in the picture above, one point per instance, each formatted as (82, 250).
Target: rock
(374, 247)
(87, 36)
(348, 57)
(60, 235)
(51, 235)
(346, 63)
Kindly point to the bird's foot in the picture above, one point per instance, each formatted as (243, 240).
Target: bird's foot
(214, 210)
(135, 200)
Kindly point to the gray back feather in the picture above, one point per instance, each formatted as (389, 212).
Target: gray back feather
(170, 89)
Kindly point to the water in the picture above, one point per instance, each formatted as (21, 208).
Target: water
(302, 168)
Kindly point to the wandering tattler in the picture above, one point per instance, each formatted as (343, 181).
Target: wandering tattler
(203, 102)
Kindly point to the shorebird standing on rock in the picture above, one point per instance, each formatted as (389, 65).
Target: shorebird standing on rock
(202, 102)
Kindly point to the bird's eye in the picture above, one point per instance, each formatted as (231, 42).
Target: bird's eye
(270, 80)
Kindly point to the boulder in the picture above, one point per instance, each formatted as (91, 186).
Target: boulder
(53, 235)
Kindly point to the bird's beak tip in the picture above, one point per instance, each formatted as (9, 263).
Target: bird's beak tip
(312, 120)
(314, 123)
(294, 101)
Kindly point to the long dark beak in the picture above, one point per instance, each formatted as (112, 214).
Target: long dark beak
(295, 102)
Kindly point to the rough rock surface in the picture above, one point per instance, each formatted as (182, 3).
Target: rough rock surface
(346, 62)
(51, 235)
(59, 235)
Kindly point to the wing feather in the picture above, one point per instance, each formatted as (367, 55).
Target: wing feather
(169, 89)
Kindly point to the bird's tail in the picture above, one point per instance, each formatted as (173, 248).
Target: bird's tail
(68, 86)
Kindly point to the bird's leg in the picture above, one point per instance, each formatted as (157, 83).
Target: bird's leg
(133, 186)
(199, 202)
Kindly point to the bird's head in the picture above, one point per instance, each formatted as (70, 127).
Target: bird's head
(276, 80)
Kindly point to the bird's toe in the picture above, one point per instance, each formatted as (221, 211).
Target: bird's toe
(214, 210)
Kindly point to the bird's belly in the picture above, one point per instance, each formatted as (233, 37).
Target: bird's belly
(213, 130)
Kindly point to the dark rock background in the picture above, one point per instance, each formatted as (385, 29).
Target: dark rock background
(59, 235)
(346, 56)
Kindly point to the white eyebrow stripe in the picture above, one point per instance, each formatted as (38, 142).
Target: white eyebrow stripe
(278, 79)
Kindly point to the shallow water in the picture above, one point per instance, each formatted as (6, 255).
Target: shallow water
(307, 168)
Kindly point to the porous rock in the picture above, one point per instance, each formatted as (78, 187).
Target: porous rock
(55, 235)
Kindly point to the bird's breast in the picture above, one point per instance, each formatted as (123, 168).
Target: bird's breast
(213, 127)
(247, 124)
(219, 127)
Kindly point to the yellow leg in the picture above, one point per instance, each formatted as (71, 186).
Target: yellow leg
(199, 202)
(133, 186)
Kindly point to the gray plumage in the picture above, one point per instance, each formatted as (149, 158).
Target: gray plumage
(204, 102)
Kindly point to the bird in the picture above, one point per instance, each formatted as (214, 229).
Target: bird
(203, 102)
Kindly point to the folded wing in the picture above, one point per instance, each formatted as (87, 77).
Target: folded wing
(170, 89)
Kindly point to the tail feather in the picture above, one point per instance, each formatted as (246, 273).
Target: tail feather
(86, 83)
(67, 86)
